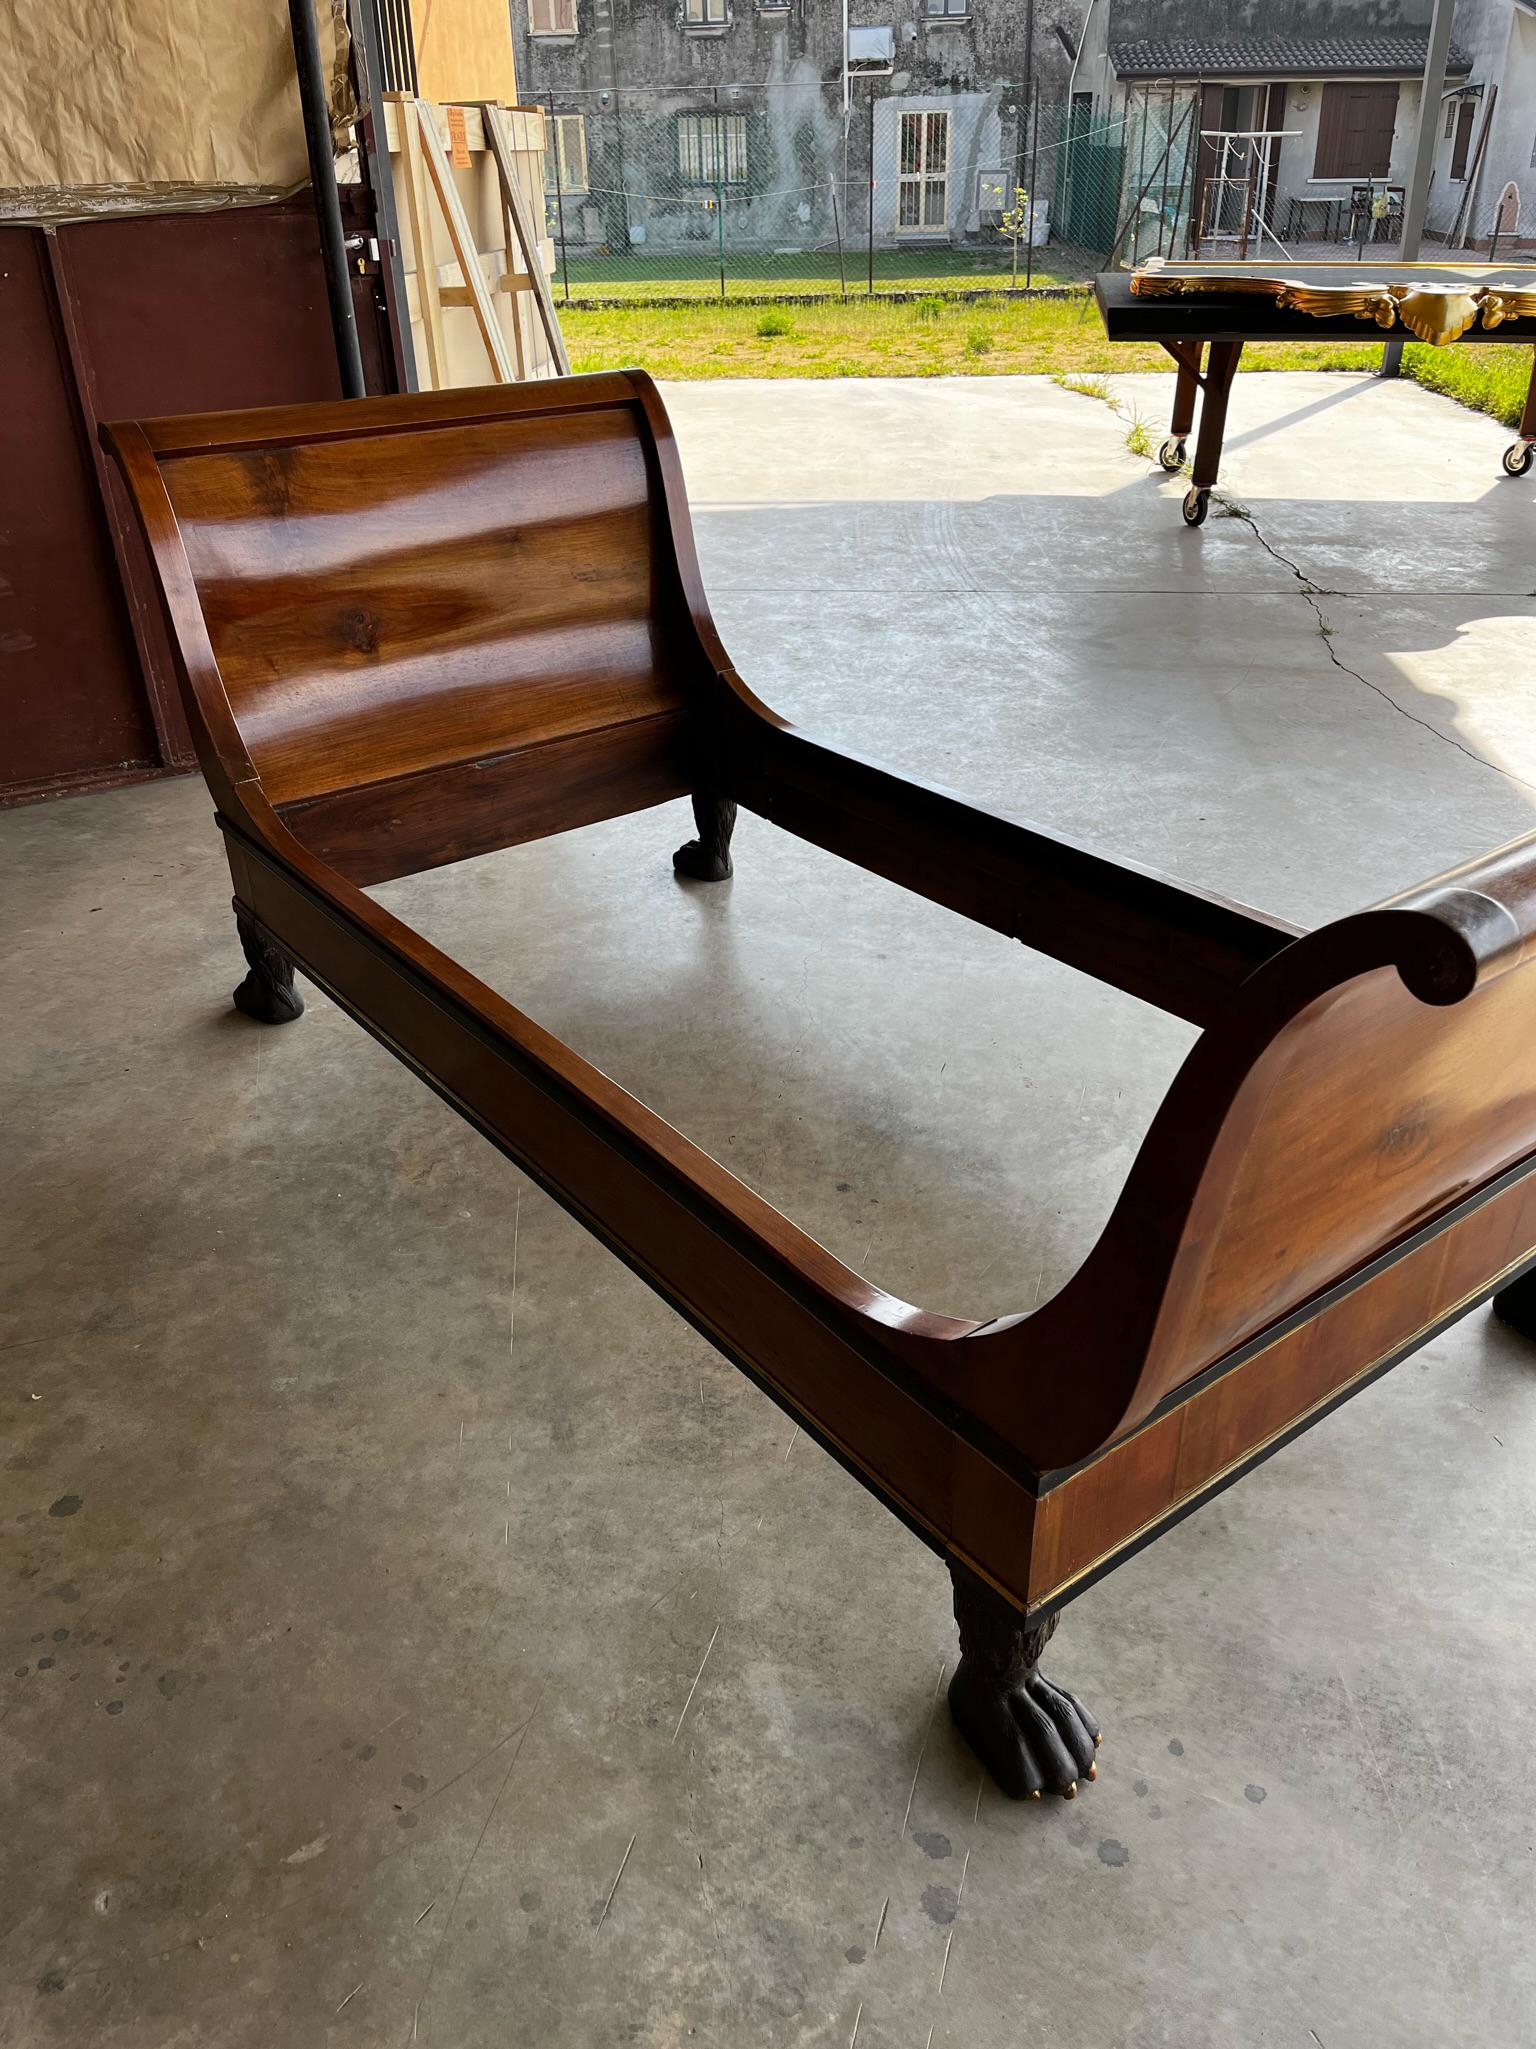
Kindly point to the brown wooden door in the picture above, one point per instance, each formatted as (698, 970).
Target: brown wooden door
(72, 709)
(1354, 134)
(1461, 147)
(114, 319)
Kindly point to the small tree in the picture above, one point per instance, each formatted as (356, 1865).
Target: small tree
(1017, 221)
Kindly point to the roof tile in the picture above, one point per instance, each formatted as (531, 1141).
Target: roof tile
(1382, 56)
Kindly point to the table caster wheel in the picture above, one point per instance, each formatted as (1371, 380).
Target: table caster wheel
(1517, 458)
(1197, 503)
(1171, 454)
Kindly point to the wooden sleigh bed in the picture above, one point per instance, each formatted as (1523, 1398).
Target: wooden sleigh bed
(414, 630)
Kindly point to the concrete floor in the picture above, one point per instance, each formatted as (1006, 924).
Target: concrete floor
(418, 1634)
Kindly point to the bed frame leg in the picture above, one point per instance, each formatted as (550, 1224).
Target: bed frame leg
(708, 858)
(1032, 1736)
(1516, 1304)
(267, 993)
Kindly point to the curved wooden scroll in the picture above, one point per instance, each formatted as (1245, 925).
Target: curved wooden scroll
(1365, 1082)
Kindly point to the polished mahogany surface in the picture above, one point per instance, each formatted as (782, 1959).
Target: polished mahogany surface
(412, 630)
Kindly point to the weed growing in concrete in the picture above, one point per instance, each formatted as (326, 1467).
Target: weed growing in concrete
(1089, 387)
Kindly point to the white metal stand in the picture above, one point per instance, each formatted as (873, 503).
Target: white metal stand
(1244, 157)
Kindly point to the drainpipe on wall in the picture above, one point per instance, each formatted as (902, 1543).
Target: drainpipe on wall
(846, 102)
(322, 178)
(1078, 52)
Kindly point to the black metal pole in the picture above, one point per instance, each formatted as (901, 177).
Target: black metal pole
(554, 144)
(1030, 80)
(1191, 149)
(1029, 197)
(1141, 165)
(719, 190)
(376, 170)
(837, 225)
(872, 191)
(322, 178)
(1020, 116)
(1162, 211)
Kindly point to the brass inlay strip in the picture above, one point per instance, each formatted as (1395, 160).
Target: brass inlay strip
(1444, 1318)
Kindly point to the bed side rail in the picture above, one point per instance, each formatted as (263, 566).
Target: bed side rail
(1185, 950)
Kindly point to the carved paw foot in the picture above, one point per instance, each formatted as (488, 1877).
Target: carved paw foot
(1032, 1735)
(701, 863)
(1516, 1305)
(708, 858)
(267, 993)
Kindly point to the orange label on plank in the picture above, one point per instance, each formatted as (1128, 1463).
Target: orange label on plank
(458, 140)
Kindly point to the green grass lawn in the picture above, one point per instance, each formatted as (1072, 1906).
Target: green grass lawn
(695, 273)
(938, 337)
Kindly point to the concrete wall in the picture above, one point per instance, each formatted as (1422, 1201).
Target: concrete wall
(632, 69)
(1512, 131)
(634, 45)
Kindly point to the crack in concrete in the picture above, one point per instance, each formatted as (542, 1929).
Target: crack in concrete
(1311, 592)
(1308, 590)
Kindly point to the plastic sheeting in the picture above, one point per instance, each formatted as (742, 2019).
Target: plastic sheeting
(130, 106)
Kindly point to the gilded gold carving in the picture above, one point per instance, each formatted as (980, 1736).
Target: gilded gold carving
(1437, 316)
(1437, 313)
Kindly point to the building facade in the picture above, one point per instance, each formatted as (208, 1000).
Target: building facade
(794, 125)
(671, 115)
(1267, 141)
(1488, 135)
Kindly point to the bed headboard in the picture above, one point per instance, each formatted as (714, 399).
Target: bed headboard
(394, 601)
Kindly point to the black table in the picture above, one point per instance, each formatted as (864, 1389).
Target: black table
(1332, 208)
(1204, 313)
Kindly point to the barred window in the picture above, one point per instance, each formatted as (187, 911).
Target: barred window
(712, 148)
(706, 13)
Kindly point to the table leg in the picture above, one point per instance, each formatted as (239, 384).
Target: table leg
(1520, 452)
(1220, 369)
(1186, 385)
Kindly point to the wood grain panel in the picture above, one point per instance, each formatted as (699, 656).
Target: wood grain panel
(1366, 1115)
(1094, 1512)
(412, 823)
(382, 604)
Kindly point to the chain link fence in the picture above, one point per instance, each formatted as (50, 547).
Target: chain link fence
(763, 191)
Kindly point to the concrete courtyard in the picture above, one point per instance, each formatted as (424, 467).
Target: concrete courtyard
(414, 1633)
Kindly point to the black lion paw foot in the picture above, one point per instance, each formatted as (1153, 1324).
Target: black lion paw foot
(701, 863)
(267, 993)
(1033, 1737)
(268, 1001)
